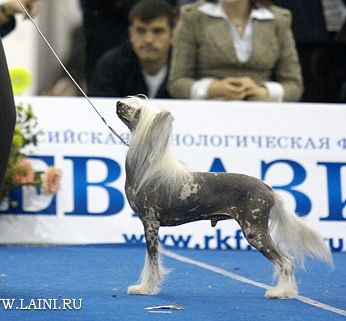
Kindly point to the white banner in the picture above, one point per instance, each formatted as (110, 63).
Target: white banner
(299, 149)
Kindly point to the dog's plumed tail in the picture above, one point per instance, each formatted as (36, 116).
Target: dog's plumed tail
(294, 237)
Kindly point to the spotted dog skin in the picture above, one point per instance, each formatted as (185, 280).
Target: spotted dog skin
(210, 196)
(206, 196)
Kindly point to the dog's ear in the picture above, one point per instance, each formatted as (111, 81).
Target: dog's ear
(163, 118)
(159, 133)
(162, 123)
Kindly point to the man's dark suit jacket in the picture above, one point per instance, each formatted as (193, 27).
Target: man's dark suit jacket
(118, 74)
(105, 25)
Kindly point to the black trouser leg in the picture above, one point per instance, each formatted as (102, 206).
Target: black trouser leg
(7, 115)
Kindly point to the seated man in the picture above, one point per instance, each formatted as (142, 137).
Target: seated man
(140, 65)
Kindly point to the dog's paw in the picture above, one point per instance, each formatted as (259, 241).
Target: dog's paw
(279, 293)
(140, 290)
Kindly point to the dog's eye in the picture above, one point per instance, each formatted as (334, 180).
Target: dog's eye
(136, 114)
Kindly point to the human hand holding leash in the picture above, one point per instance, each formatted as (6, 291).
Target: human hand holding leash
(12, 7)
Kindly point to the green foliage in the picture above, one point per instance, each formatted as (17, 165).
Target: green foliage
(26, 135)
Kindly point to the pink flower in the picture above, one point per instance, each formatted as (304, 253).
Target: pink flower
(51, 180)
(23, 172)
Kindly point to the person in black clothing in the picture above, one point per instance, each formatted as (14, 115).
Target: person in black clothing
(140, 65)
(105, 26)
(7, 105)
(321, 45)
(7, 114)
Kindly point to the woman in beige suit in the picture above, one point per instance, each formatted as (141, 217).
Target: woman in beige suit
(236, 50)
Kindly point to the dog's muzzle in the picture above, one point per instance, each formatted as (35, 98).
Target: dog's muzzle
(120, 108)
(123, 112)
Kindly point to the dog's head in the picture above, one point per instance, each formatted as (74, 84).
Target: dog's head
(128, 114)
(149, 156)
(138, 112)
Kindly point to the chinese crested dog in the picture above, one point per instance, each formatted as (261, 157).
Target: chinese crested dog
(163, 192)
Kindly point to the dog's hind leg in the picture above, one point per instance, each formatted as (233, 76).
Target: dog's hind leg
(286, 286)
(153, 272)
(258, 236)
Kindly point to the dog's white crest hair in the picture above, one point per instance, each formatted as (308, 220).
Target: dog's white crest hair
(150, 157)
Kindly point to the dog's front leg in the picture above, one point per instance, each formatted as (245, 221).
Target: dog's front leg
(153, 272)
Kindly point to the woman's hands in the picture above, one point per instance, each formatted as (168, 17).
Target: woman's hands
(236, 88)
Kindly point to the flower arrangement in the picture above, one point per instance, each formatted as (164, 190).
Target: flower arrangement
(20, 171)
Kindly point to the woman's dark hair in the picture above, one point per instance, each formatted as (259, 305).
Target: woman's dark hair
(255, 3)
(147, 10)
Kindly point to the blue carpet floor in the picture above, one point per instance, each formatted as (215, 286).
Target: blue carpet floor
(90, 282)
